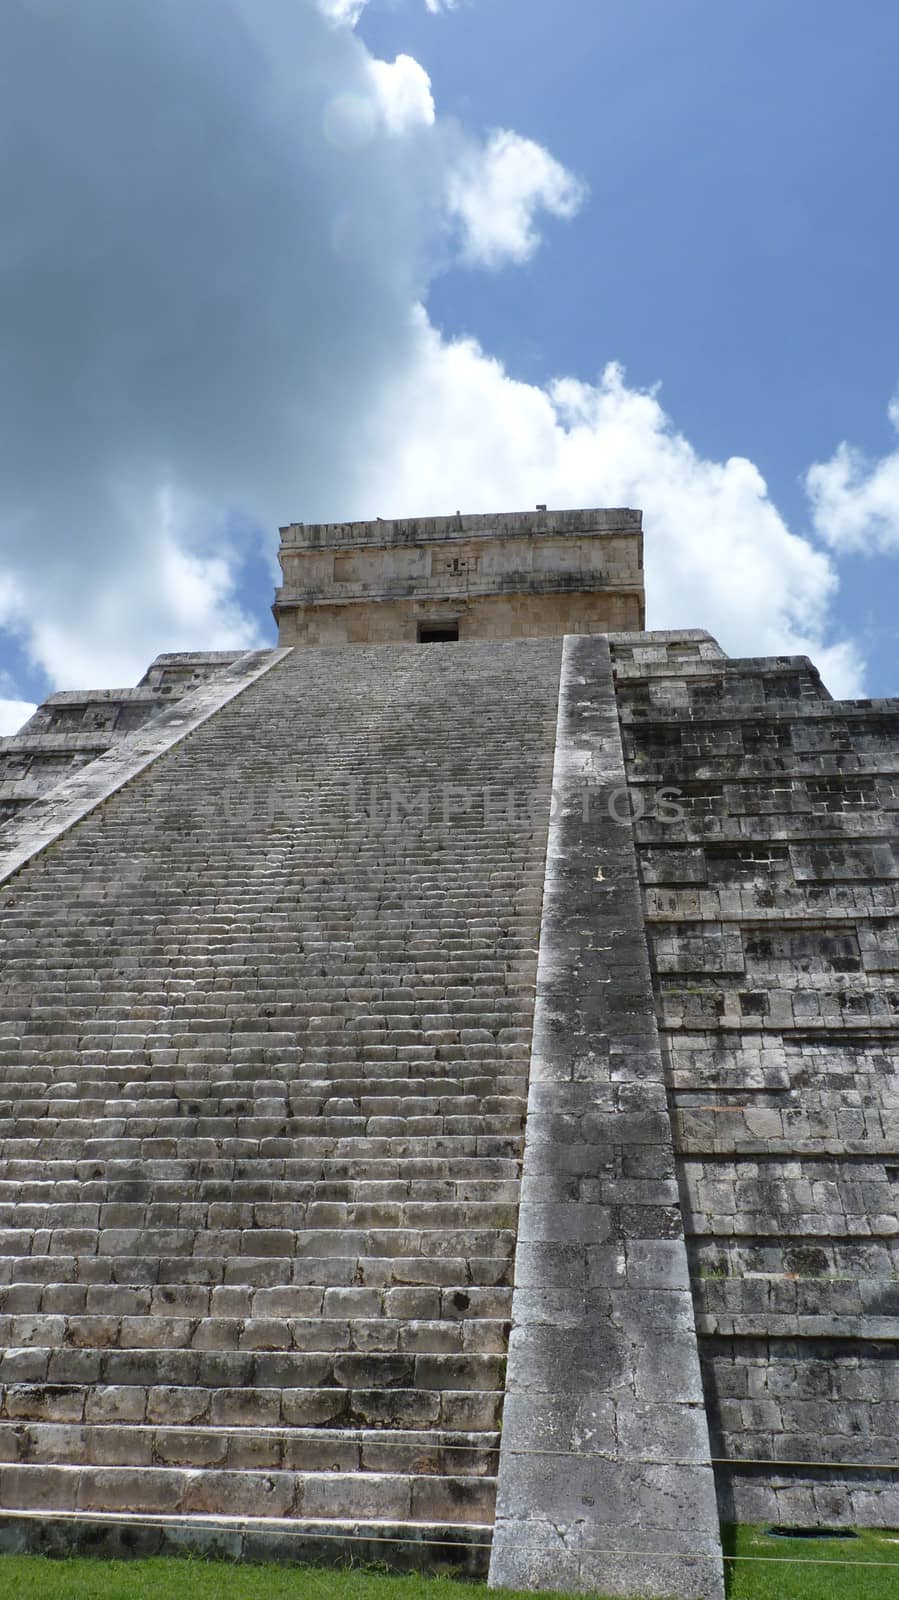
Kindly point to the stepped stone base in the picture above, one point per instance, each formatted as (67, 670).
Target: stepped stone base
(72, 728)
(770, 907)
(433, 1548)
(272, 1030)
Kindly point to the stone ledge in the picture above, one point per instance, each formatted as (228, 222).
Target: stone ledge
(443, 530)
(597, 1357)
(426, 591)
(411, 1547)
(60, 808)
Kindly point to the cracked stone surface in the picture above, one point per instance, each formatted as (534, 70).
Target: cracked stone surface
(770, 908)
(263, 1053)
(605, 1477)
(265, 1057)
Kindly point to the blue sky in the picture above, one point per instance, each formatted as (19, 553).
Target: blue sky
(740, 243)
(262, 265)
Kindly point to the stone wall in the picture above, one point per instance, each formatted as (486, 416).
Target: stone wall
(75, 726)
(484, 616)
(771, 911)
(510, 576)
(264, 1075)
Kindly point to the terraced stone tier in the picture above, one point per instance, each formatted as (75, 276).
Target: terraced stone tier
(264, 1046)
(773, 918)
(73, 727)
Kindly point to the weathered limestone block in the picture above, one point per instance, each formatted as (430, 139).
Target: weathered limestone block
(518, 575)
(594, 1493)
(264, 1071)
(783, 1070)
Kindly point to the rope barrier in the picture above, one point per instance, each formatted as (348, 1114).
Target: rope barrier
(313, 1533)
(716, 1461)
(431, 1446)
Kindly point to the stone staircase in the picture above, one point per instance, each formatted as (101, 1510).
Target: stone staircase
(72, 728)
(263, 1062)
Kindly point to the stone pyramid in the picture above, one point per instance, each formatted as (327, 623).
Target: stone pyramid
(448, 1062)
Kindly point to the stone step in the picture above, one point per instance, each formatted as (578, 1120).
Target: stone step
(181, 1406)
(436, 1083)
(299, 1300)
(402, 957)
(286, 959)
(452, 1548)
(431, 1451)
(254, 1128)
(164, 1022)
(326, 1025)
(452, 1148)
(50, 1131)
(284, 1243)
(229, 1369)
(175, 1491)
(262, 1191)
(262, 1272)
(322, 1049)
(223, 1217)
(315, 1334)
(58, 953)
(272, 992)
(274, 1170)
(405, 1100)
(255, 1203)
(423, 965)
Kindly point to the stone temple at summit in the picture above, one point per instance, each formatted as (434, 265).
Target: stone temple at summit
(450, 1082)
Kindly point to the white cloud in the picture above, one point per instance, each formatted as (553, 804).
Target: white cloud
(349, 11)
(855, 501)
(184, 596)
(455, 430)
(342, 11)
(498, 192)
(403, 91)
(213, 320)
(12, 715)
(200, 299)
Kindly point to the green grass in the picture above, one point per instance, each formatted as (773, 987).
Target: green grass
(780, 1577)
(183, 1578)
